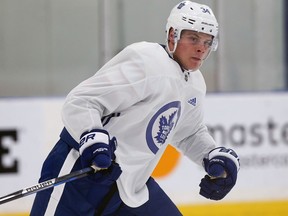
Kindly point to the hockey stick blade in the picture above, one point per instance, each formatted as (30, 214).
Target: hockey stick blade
(48, 184)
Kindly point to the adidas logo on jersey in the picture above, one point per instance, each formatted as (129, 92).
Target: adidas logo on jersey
(192, 101)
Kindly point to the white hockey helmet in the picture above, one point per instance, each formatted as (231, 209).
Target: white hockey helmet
(189, 15)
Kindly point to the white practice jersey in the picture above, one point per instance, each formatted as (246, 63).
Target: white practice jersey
(144, 99)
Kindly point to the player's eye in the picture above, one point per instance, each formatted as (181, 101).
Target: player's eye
(208, 43)
(194, 40)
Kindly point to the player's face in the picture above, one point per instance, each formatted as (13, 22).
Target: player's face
(192, 49)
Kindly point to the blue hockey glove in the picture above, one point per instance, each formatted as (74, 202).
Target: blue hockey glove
(97, 148)
(106, 176)
(222, 166)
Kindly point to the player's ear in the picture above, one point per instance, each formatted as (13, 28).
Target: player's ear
(171, 35)
(171, 39)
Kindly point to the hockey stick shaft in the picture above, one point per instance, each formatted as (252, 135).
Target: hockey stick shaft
(48, 184)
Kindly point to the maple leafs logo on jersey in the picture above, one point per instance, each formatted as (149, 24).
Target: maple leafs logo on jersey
(165, 126)
(160, 129)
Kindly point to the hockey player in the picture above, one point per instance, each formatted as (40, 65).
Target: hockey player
(146, 97)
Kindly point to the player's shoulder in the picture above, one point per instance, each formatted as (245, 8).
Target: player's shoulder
(145, 47)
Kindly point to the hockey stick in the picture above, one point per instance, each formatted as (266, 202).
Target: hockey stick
(48, 184)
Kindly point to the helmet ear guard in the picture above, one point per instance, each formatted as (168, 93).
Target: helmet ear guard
(214, 44)
(176, 37)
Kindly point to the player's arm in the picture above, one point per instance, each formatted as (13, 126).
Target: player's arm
(117, 86)
(221, 164)
(197, 145)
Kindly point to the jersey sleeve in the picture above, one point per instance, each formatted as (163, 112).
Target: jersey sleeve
(114, 88)
(197, 145)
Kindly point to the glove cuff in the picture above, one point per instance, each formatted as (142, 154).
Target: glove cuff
(90, 138)
(223, 152)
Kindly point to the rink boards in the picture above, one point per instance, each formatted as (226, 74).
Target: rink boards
(255, 125)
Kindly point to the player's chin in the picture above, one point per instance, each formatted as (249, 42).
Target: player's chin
(194, 66)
